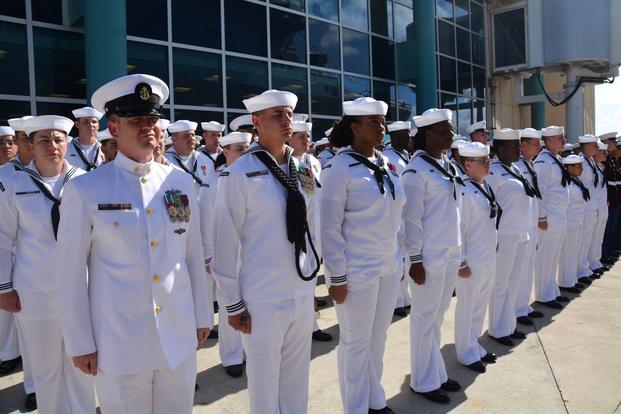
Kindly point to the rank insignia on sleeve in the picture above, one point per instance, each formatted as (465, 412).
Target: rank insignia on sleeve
(177, 206)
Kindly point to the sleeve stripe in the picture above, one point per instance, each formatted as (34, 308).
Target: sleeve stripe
(235, 307)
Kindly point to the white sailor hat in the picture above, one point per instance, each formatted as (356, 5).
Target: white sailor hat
(131, 95)
(432, 116)
(212, 126)
(530, 133)
(270, 99)
(41, 122)
(104, 135)
(601, 146)
(18, 123)
(552, 131)
(322, 141)
(364, 106)
(181, 126)
(506, 134)
(400, 125)
(473, 149)
(458, 143)
(603, 137)
(164, 124)
(300, 126)
(477, 126)
(241, 121)
(6, 130)
(572, 159)
(328, 131)
(585, 139)
(87, 111)
(568, 147)
(236, 138)
(300, 117)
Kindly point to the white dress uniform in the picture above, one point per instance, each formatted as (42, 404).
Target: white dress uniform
(588, 177)
(325, 156)
(522, 300)
(570, 251)
(197, 165)
(479, 254)
(361, 220)
(250, 225)
(211, 156)
(147, 291)
(508, 183)
(85, 157)
(27, 250)
(432, 236)
(601, 197)
(553, 207)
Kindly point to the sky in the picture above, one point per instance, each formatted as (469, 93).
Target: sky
(608, 107)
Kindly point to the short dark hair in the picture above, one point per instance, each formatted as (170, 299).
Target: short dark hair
(341, 135)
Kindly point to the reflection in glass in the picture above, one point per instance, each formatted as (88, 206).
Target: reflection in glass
(446, 33)
(292, 4)
(383, 58)
(381, 17)
(404, 23)
(13, 8)
(387, 92)
(326, 93)
(328, 9)
(465, 80)
(13, 109)
(245, 78)
(204, 31)
(157, 27)
(59, 63)
(13, 59)
(197, 78)
(49, 11)
(324, 44)
(464, 115)
(444, 9)
(476, 18)
(355, 87)
(462, 13)
(355, 52)
(245, 26)
(478, 50)
(509, 38)
(147, 58)
(355, 14)
(288, 36)
(478, 80)
(463, 44)
(448, 81)
(449, 102)
(293, 79)
(407, 102)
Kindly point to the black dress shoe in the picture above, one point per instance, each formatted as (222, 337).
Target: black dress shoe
(234, 371)
(321, 303)
(598, 272)
(213, 334)
(436, 396)
(585, 280)
(31, 402)
(595, 276)
(489, 358)
(552, 304)
(569, 289)
(562, 299)
(195, 386)
(450, 385)
(535, 314)
(402, 312)
(385, 410)
(518, 335)
(504, 340)
(9, 366)
(477, 366)
(321, 336)
(525, 320)
(579, 286)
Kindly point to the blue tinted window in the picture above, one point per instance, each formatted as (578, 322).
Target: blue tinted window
(326, 93)
(404, 22)
(198, 116)
(383, 58)
(355, 52)
(446, 34)
(293, 79)
(147, 18)
(13, 109)
(448, 77)
(444, 9)
(292, 4)
(324, 44)
(245, 27)
(197, 78)
(288, 36)
(13, 8)
(196, 22)
(463, 44)
(147, 58)
(13, 59)
(328, 9)
(355, 87)
(387, 92)
(465, 79)
(407, 102)
(245, 78)
(50, 11)
(355, 13)
(381, 17)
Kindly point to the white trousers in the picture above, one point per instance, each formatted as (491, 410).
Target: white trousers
(547, 261)
(278, 352)
(522, 300)
(584, 244)
(510, 270)
(163, 391)
(404, 295)
(229, 340)
(595, 249)
(9, 345)
(568, 266)
(60, 387)
(364, 319)
(472, 298)
(431, 300)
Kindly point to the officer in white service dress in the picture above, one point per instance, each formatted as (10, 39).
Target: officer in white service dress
(265, 262)
(480, 213)
(29, 215)
(553, 182)
(432, 244)
(134, 300)
(84, 151)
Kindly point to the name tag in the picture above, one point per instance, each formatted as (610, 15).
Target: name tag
(256, 173)
(27, 192)
(108, 207)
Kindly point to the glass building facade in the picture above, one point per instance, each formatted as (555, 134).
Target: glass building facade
(215, 53)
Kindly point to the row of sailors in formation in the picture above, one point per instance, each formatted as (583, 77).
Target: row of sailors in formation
(154, 228)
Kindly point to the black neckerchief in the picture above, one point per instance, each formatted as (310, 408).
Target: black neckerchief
(459, 167)
(379, 171)
(297, 221)
(594, 169)
(403, 157)
(184, 168)
(55, 212)
(585, 191)
(451, 173)
(331, 151)
(528, 189)
(204, 151)
(601, 171)
(89, 165)
(495, 209)
(16, 164)
(533, 174)
(564, 173)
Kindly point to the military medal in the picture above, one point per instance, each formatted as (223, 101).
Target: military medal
(306, 179)
(170, 201)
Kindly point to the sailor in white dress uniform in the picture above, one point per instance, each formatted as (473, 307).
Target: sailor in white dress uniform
(212, 133)
(601, 195)
(84, 151)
